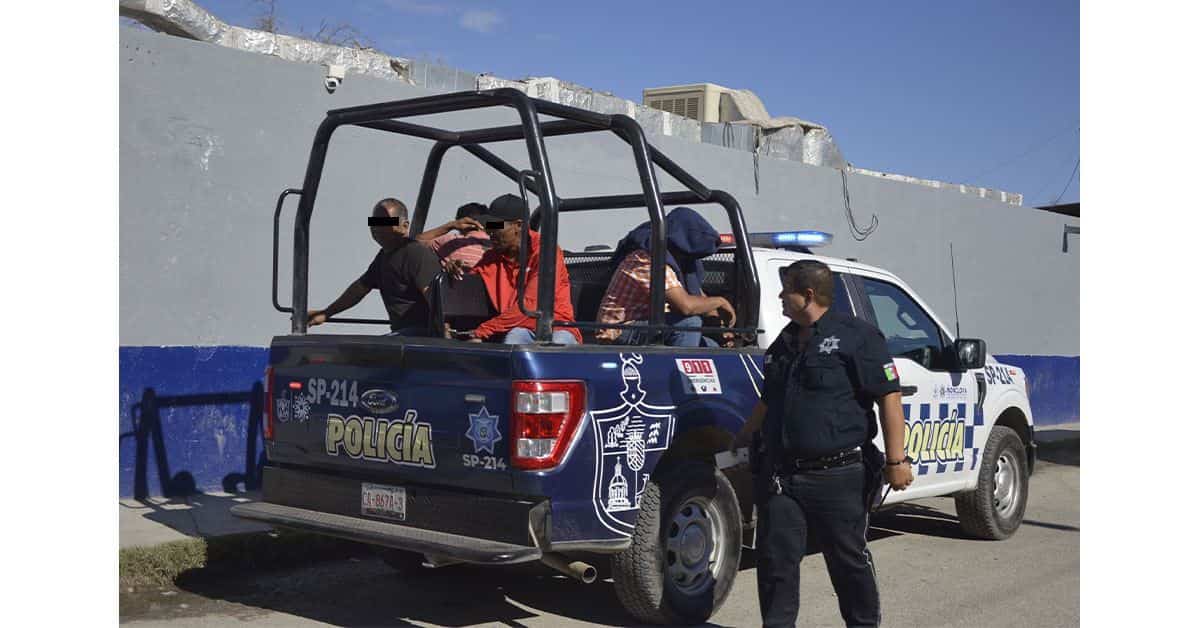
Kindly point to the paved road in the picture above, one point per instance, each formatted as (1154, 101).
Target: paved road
(930, 576)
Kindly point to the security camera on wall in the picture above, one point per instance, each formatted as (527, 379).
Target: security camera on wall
(334, 76)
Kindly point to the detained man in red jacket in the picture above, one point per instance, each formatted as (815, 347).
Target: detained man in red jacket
(499, 270)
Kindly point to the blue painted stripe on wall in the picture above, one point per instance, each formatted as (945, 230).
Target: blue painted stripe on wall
(1053, 386)
(190, 417)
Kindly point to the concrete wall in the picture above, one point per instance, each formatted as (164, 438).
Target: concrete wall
(209, 136)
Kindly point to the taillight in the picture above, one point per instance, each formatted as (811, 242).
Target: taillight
(545, 415)
(269, 422)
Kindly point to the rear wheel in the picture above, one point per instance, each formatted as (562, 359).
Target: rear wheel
(686, 547)
(995, 509)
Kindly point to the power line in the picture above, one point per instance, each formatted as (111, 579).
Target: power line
(1032, 149)
(1072, 178)
(1049, 180)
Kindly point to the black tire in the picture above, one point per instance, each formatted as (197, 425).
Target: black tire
(986, 512)
(649, 575)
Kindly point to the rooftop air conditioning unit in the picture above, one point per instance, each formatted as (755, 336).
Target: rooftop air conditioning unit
(699, 101)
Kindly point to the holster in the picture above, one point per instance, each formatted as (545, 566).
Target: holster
(760, 470)
(873, 462)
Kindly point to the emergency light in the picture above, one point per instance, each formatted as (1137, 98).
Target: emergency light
(784, 239)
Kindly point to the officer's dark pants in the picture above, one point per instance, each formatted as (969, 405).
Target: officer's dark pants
(829, 505)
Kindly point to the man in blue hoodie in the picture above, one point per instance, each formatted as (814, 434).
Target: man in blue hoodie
(689, 238)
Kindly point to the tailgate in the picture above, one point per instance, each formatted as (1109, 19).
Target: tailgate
(402, 410)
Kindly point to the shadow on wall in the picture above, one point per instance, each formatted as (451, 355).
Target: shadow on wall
(190, 420)
(148, 433)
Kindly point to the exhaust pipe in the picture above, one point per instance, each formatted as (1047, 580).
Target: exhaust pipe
(578, 570)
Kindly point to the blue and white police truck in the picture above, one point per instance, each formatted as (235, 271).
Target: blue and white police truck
(440, 451)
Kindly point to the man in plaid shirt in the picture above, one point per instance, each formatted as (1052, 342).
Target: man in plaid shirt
(461, 242)
(689, 238)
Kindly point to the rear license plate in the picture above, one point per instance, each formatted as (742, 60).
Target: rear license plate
(379, 500)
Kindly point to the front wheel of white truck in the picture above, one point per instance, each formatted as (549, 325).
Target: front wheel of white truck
(995, 508)
(686, 547)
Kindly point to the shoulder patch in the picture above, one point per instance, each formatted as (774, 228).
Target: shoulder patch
(889, 371)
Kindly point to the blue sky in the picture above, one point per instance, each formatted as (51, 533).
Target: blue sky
(984, 93)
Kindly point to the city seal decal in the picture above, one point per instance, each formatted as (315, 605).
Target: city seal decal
(290, 406)
(625, 435)
(283, 406)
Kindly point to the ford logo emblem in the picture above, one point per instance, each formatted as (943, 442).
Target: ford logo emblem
(379, 401)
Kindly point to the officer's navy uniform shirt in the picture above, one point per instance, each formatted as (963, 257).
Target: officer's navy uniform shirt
(819, 399)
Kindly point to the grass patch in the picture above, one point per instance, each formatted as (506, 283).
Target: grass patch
(158, 565)
(164, 564)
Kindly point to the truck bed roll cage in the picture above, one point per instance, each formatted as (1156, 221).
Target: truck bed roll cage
(538, 180)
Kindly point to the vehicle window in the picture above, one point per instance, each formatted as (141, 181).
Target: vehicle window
(909, 331)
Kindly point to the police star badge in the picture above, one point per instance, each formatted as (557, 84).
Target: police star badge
(484, 431)
(829, 345)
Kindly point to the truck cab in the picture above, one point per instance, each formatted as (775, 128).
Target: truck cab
(440, 451)
(950, 403)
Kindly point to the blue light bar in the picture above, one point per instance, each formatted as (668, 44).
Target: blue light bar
(790, 239)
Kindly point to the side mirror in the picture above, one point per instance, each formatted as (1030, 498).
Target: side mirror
(970, 353)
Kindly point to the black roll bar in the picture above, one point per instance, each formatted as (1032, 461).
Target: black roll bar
(275, 269)
(631, 132)
(275, 251)
(503, 167)
(509, 133)
(547, 264)
(433, 165)
(523, 254)
(407, 128)
(533, 130)
(427, 105)
(748, 271)
(312, 180)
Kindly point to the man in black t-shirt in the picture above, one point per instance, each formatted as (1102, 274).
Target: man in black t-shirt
(402, 271)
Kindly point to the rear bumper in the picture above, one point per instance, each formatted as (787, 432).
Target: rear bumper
(449, 524)
(458, 547)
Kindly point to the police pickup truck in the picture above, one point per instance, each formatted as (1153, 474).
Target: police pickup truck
(440, 451)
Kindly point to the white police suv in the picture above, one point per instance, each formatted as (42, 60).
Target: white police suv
(968, 428)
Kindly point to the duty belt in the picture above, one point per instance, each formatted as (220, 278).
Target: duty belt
(839, 459)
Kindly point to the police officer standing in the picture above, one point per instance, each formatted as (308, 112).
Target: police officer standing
(818, 472)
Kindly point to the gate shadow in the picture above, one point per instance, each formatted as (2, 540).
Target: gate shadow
(147, 432)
